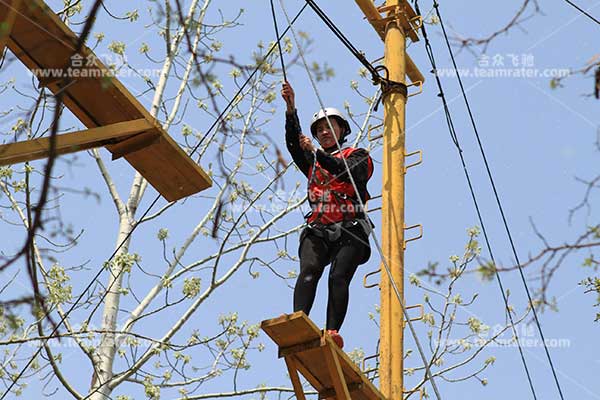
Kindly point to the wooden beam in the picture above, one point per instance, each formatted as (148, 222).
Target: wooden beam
(36, 149)
(134, 143)
(321, 365)
(372, 14)
(298, 348)
(413, 71)
(335, 371)
(378, 23)
(293, 371)
(310, 377)
(7, 25)
(330, 393)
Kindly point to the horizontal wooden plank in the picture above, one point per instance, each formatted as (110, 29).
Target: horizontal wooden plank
(173, 175)
(291, 329)
(66, 143)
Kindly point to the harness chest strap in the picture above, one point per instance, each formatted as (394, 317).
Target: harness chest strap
(332, 199)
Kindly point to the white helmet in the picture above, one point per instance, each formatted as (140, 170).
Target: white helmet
(330, 112)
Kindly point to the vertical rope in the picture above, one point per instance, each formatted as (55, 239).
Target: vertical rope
(498, 202)
(278, 41)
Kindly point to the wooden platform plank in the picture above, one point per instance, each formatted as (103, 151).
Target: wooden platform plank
(292, 331)
(41, 41)
(171, 175)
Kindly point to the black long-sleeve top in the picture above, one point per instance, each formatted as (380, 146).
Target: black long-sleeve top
(358, 161)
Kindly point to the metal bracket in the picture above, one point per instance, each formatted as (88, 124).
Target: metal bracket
(405, 17)
(365, 285)
(419, 236)
(371, 129)
(416, 23)
(414, 164)
(369, 210)
(364, 364)
(419, 84)
(421, 309)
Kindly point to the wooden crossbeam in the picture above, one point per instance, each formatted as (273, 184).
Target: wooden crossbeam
(374, 17)
(134, 143)
(66, 143)
(299, 348)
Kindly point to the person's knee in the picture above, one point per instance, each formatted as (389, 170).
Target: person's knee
(307, 278)
(309, 273)
(338, 279)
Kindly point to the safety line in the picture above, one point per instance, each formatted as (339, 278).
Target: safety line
(456, 142)
(583, 12)
(360, 56)
(498, 202)
(278, 42)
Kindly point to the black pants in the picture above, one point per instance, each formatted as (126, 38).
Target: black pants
(344, 255)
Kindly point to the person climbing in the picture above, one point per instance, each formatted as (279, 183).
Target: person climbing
(337, 230)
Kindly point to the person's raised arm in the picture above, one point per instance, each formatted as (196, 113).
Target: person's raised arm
(293, 132)
(287, 92)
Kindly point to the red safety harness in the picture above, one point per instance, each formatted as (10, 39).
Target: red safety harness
(333, 200)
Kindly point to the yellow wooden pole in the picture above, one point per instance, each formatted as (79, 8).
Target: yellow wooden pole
(392, 326)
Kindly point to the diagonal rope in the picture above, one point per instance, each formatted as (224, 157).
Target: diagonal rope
(278, 41)
(456, 142)
(379, 249)
(360, 56)
(498, 202)
(91, 283)
(581, 10)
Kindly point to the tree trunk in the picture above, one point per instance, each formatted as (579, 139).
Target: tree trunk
(105, 355)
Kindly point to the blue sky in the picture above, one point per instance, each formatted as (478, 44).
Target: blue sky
(537, 140)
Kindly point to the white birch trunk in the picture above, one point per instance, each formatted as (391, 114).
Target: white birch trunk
(105, 355)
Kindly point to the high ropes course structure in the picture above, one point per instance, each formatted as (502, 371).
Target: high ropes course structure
(116, 120)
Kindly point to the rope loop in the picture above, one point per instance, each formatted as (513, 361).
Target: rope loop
(388, 86)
